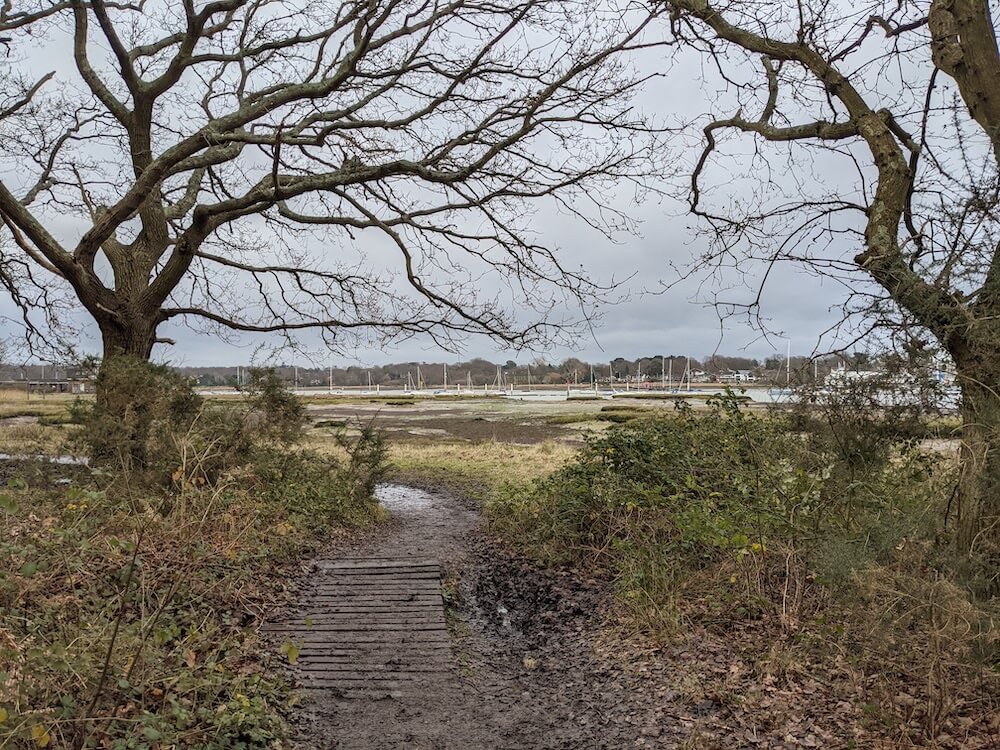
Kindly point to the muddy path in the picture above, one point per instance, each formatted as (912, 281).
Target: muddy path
(527, 662)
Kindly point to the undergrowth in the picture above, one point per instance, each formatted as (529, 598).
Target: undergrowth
(798, 538)
(131, 597)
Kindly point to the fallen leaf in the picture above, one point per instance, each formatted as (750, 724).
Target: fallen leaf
(40, 735)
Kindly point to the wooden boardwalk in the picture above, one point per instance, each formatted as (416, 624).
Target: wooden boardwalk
(370, 627)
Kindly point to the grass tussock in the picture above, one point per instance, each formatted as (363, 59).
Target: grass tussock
(34, 438)
(404, 401)
(54, 407)
(678, 396)
(615, 414)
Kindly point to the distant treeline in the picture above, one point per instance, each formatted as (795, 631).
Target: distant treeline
(572, 370)
(482, 371)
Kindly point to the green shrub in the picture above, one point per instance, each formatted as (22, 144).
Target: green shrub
(319, 490)
(147, 423)
(366, 460)
(135, 399)
(655, 498)
(274, 412)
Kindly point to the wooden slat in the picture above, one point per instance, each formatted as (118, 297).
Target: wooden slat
(334, 577)
(370, 563)
(389, 640)
(360, 608)
(359, 619)
(339, 671)
(371, 627)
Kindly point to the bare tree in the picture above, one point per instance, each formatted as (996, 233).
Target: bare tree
(875, 132)
(239, 163)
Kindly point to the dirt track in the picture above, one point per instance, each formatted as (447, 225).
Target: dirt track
(526, 667)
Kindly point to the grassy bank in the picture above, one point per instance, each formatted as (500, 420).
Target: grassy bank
(133, 619)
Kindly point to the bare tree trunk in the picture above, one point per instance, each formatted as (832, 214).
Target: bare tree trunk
(126, 390)
(132, 339)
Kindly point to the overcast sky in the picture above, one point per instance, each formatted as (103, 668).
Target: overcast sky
(652, 320)
(679, 320)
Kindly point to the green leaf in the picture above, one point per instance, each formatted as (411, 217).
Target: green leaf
(29, 569)
(291, 651)
(7, 504)
(152, 733)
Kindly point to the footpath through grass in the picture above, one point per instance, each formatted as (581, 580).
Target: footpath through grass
(807, 556)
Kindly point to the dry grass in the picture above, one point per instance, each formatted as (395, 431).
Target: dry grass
(17, 404)
(478, 470)
(32, 439)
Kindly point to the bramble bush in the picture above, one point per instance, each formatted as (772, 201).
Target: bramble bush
(657, 499)
(149, 424)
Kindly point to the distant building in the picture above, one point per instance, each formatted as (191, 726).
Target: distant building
(842, 374)
(738, 376)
